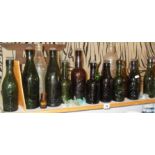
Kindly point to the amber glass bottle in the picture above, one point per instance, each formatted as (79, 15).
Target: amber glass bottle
(78, 77)
(134, 81)
(93, 86)
(106, 85)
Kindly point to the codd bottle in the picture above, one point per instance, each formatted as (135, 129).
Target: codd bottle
(106, 85)
(52, 81)
(65, 83)
(148, 78)
(30, 81)
(41, 67)
(134, 81)
(93, 86)
(78, 77)
(9, 88)
(119, 85)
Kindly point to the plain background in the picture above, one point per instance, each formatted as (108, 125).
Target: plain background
(77, 133)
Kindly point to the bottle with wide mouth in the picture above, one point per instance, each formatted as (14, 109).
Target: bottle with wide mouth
(10, 88)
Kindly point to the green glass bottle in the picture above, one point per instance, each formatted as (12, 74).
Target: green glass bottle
(119, 85)
(52, 81)
(65, 82)
(30, 81)
(148, 78)
(9, 88)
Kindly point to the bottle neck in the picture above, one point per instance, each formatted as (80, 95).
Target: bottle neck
(119, 70)
(106, 70)
(9, 70)
(64, 71)
(92, 72)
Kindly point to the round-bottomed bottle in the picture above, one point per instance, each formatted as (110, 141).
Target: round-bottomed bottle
(10, 88)
(52, 81)
(31, 81)
(134, 81)
(93, 86)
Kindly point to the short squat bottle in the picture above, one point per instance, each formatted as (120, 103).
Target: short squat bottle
(134, 81)
(78, 77)
(119, 85)
(148, 78)
(65, 82)
(9, 88)
(52, 81)
(93, 86)
(106, 83)
(30, 81)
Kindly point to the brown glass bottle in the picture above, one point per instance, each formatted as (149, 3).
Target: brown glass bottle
(106, 85)
(134, 81)
(78, 77)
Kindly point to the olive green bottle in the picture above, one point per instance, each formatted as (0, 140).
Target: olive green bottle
(65, 82)
(148, 78)
(52, 81)
(119, 85)
(9, 88)
(31, 81)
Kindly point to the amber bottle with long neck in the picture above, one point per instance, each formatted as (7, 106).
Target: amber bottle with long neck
(78, 77)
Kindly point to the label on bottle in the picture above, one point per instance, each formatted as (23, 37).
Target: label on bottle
(106, 106)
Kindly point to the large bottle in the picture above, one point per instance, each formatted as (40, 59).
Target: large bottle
(41, 67)
(65, 82)
(119, 85)
(106, 85)
(93, 86)
(148, 78)
(52, 81)
(9, 88)
(134, 81)
(31, 81)
(78, 77)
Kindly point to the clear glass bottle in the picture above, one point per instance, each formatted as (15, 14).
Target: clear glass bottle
(9, 88)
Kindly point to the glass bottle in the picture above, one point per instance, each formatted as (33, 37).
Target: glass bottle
(65, 82)
(30, 81)
(78, 77)
(119, 85)
(9, 88)
(106, 85)
(148, 78)
(93, 86)
(52, 81)
(41, 67)
(134, 81)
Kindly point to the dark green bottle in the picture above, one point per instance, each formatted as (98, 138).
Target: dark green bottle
(31, 81)
(10, 89)
(148, 78)
(93, 86)
(134, 81)
(52, 81)
(65, 83)
(119, 85)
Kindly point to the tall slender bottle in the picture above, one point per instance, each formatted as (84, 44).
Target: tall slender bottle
(52, 81)
(106, 85)
(93, 86)
(9, 88)
(31, 81)
(65, 82)
(148, 77)
(78, 77)
(134, 81)
(41, 67)
(119, 85)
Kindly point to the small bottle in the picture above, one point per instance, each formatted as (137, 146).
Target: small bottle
(31, 81)
(148, 78)
(78, 77)
(106, 85)
(93, 86)
(9, 88)
(65, 83)
(43, 103)
(119, 85)
(134, 81)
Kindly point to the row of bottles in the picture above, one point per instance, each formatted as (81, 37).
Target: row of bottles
(48, 86)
